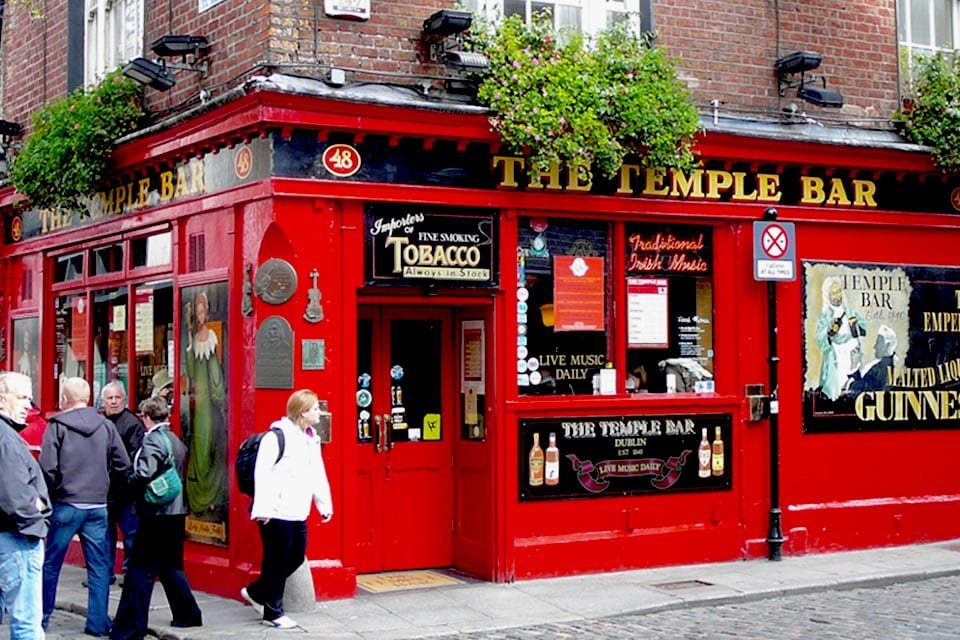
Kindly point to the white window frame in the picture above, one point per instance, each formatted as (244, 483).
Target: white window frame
(909, 49)
(593, 13)
(113, 35)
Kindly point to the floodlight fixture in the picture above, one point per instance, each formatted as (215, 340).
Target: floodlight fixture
(447, 22)
(171, 46)
(149, 73)
(800, 62)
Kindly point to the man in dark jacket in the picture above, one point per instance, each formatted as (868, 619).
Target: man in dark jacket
(24, 507)
(120, 509)
(158, 549)
(80, 454)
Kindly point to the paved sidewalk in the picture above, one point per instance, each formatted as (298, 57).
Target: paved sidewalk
(480, 606)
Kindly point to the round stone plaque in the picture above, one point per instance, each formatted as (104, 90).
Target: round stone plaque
(275, 282)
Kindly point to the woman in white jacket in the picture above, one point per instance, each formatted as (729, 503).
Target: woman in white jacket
(281, 503)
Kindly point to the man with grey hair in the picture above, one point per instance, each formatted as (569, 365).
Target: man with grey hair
(120, 510)
(875, 375)
(81, 453)
(24, 508)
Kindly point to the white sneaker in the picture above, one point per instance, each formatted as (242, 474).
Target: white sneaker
(283, 622)
(253, 603)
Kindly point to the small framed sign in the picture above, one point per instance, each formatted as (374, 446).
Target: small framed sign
(312, 352)
(351, 9)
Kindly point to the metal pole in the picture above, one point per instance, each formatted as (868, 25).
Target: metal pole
(775, 533)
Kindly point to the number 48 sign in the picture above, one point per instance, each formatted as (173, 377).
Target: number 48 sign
(774, 251)
(341, 160)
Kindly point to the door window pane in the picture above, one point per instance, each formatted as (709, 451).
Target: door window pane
(415, 395)
(110, 358)
(561, 306)
(153, 341)
(71, 337)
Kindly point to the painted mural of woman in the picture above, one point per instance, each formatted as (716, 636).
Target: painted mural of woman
(206, 464)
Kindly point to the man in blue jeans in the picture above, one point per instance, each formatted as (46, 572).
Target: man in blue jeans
(24, 506)
(81, 454)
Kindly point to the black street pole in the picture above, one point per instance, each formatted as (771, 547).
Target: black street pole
(775, 533)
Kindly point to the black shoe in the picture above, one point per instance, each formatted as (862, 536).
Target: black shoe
(185, 624)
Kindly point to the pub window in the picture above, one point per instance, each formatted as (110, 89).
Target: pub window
(153, 340)
(107, 259)
(151, 251)
(669, 305)
(70, 347)
(562, 306)
(68, 267)
(110, 361)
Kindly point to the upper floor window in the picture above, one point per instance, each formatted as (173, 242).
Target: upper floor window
(585, 16)
(113, 35)
(927, 27)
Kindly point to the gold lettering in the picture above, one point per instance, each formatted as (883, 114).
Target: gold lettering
(768, 187)
(197, 184)
(654, 183)
(685, 186)
(718, 181)
(577, 178)
(143, 192)
(166, 186)
(626, 172)
(863, 193)
(552, 176)
(811, 190)
(510, 165)
(739, 194)
(181, 189)
(838, 194)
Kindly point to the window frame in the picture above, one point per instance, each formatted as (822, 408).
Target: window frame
(909, 49)
(108, 40)
(593, 14)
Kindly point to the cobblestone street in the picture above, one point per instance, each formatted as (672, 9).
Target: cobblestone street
(921, 610)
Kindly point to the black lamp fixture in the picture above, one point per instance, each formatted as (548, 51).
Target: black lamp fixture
(9, 129)
(149, 73)
(177, 45)
(157, 74)
(800, 62)
(443, 32)
(447, 22)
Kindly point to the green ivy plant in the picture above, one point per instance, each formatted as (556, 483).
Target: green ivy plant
(67, 152)
(934, 119)
(562, 98)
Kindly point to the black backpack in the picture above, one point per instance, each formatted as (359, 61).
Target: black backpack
(247, 459)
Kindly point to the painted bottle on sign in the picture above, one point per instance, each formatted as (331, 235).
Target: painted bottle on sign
(552, 464)
(717, 455)
(703, 454)
(536, 462)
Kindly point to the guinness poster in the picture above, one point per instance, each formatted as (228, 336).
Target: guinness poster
(414, 246)
(881, 347)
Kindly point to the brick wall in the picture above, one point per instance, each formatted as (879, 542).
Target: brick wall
(727, 48)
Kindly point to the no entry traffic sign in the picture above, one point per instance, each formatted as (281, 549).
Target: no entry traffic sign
(774, 251)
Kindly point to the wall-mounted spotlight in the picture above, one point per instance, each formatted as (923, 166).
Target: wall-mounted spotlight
(149, 73)
(10, 129)
(443, 32)
(447, 22)
(157, 74)
(800, 62)
(176, 45)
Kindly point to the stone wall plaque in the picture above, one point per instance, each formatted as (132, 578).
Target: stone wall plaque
(274, 354)
(275, 281)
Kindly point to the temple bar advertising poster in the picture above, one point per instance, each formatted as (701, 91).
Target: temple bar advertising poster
(624, 455)
(881, 347)
(413, 246)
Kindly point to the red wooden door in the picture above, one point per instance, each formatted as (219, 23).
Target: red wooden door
(405, 438)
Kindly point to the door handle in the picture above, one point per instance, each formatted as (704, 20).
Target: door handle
(387, 432)
(378, 437)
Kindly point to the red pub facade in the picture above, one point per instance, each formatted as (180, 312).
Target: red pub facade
(528, 376)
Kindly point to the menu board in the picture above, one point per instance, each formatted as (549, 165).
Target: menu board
(647, 313)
